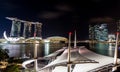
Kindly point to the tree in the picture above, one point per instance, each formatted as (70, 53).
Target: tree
(3, 54)
(12, 68)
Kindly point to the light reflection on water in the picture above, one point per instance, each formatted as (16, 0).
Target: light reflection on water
(21, 50)
(27, 50)
(105, 49)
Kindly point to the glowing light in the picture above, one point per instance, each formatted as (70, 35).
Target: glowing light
(70, 33)
(10, 38)
(46, 40)
(117, 33)
(46, 46)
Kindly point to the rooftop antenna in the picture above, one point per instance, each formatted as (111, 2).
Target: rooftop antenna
(75, 41)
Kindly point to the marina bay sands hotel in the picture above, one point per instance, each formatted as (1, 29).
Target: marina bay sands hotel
(24, 28)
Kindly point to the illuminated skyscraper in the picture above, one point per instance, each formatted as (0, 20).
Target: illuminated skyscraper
(101, 31)
(37, 29)
(28, 29)
(15, 29)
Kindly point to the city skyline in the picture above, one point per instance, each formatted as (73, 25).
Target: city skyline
(58, 17)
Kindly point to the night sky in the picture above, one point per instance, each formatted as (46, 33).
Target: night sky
(58, 16)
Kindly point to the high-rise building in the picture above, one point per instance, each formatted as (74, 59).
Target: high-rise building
(38, 30)
(27, 30)
(15, 29)
(30, 29)
(101, 31)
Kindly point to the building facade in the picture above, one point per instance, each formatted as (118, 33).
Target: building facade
(28, 29)
(102, 33)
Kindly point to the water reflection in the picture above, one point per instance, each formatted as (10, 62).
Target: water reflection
(28, 49)
(22, 50)
(14, 50)
(104, 49)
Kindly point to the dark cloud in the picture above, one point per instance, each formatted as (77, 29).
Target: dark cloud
(49, 15)
(8, 5)
(55, 11)
(64, 7)
(102, 19)
(59, 12)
